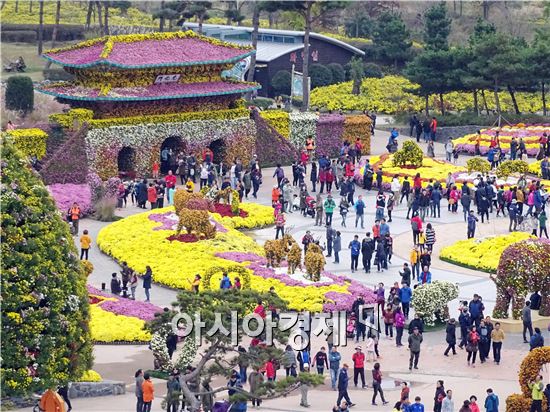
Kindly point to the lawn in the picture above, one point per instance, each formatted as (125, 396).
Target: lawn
(29, 52)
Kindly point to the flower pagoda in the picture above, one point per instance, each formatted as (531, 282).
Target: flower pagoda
(149, 74)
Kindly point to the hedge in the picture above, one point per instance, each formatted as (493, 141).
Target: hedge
(21, 36)
(20, 94)
(65, 32)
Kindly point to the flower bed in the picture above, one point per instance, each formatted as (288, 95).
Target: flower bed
(302, 125)
(430, 169)
(143, 240)
(481, 254)
(279, 120)
(90, 376)
(66, 194)
(32, 142)
(529, 133)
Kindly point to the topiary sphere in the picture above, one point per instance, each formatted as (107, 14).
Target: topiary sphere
(523, 268)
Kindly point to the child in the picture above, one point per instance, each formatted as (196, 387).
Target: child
(295, 203)
(370, 349)
(455, 156)
(85, 242)
(155, 170)
(171, 193)
(421, 240)
(380, 298)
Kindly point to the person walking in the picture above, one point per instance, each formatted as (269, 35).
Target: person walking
(439, 395)
(484, 332)
(472, 345)
(415, 340)
(173, 394)
(377, 384)
(465, 322)
(450, 337)
(405, 296)
(139, 390)
(359, 211)
(147, 278)
(358, 359)
(367, 249)
(85, 243)
(355, 248)
(320, 360)
(537, 394)
(343, 381)
(329, 205)
(491, 401)
(73, 216)
(334, 358)
(337, 246)
(344, 208)
(472, 220)
(280, 221)
(304, 386)
(148, 392)
(526, 319)
(399, 320)
(448, 403)
(255, 379)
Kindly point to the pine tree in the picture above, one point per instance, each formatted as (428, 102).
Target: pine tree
(392, 39)
(437, 28)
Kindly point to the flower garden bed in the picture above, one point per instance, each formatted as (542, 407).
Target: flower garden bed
(480, 254)
(430, 169)
(118, 320)
(143, 240)
(529, 133)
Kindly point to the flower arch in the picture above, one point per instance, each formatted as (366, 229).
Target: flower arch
(242, 272)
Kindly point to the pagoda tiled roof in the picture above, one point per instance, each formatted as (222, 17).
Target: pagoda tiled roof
(151, 92)
(134, 51)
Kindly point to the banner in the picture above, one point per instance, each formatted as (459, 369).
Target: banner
(297, 83)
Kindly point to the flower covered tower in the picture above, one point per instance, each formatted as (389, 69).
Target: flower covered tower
(149, 74)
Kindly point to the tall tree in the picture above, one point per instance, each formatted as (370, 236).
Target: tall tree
(106, 6)
(538, 58)
(40, 26)
(392, 39)
(57, 19)
(89, 13)
(199, 10)
(437, 27)
(357, 72)
(172, 11)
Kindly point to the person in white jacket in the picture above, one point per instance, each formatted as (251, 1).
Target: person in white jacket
(395, 187)
(448, 404)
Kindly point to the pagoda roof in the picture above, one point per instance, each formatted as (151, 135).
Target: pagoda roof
(152, 92)
(134, 51)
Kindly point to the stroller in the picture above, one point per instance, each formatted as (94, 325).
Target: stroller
(310, 206)
(350, 327)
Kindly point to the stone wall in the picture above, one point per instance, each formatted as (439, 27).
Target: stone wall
(92, 389)
(443, 133)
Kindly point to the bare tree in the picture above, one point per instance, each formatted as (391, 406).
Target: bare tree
(56, 26)
(99, 15)
(89, 14)
(106, 14)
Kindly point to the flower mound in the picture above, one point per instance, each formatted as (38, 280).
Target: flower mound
(481, 254)
(65, 194)
(90, 376)
(431, 299)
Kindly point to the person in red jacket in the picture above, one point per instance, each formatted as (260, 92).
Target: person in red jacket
(260, 309)
(270, 370)
(417, 183)
(358, 359)
(170, 180)
(152, 195)
(416, 226)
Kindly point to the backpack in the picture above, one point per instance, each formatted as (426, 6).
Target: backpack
(414, 225)
(226, 284)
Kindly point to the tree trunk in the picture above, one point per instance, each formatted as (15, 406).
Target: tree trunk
(484, 102)
(305, 66)
(16, 6)
(544, 110)
(497, 101)
(89, 14)
(454, 6)
(161, 20)
(476, 103)
(30, 6)
(442, 103)
(427, 104)
(106, 13)
(99, 15)
(56, 26)
(485, 5)
(201, 19)
(255, 26)
(270, 19)
(40, 26)
(514, 101)
(460, 9)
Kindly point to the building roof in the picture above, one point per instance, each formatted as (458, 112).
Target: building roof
(147, 93)
(278, 49)
(149, 50)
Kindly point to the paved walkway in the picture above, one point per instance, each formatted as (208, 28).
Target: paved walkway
(120, 362)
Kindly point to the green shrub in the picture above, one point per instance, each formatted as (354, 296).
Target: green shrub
(20, 36)
(56, 75)
(261, 102)
(320, 75)
(105, 209)
(20, 94)
(281, 82)
(338, 72)
(509, 167)
(45, 309)
(373, 70)
(65, 32)
(478, 164)
(410, 154)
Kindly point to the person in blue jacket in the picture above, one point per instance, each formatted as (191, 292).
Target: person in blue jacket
(491, 401)
(476, 309)
(343, 380)
(417, 406)
(405, 296)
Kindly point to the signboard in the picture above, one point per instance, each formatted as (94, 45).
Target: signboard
(167, 78)
(238, 71)
(297, 83)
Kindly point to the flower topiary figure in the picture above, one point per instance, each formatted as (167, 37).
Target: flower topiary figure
(314, 261)
(276, 250)
(294, 258)
(523, 268)
(45, 311)
(410, 154)
(196, 221)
